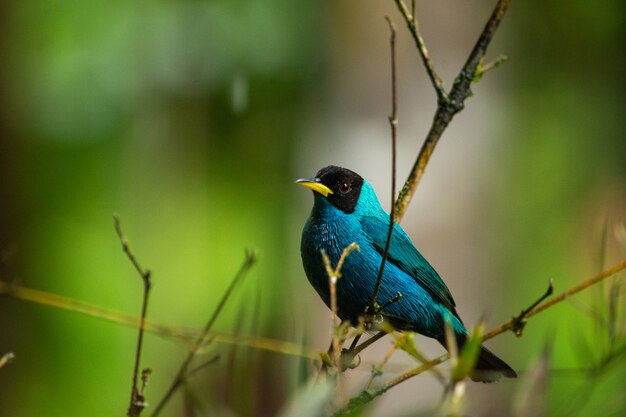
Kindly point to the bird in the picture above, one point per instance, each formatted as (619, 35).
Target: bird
(346, 210)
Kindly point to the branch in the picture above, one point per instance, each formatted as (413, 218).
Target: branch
(484, 68)
(206, 364)
(333, 275)
(249, 261)
(368, 395)
(449, 105)
(520, 321)
(145, 274)
(393, 123)
(32, 295)
(137, 399)
(411, 21)
(510, 325)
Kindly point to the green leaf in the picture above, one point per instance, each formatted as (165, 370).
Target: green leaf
(407, 344)
(469, 354)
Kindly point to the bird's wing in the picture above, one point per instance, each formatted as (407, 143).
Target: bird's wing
(403, 254)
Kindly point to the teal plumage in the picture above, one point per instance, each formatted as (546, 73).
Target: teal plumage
(347, 210)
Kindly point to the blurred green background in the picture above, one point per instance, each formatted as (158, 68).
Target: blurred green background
(192, 119)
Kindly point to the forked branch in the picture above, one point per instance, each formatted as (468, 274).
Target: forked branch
(137, 398)
(448, 104)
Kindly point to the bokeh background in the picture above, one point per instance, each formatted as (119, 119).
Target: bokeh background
(192, 119)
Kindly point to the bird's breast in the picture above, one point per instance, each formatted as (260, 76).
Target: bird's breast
(355, 286)
(332, 237)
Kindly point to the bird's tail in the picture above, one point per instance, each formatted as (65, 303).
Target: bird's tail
(489, 368)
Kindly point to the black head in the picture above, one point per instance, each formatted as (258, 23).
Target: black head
(340, 186)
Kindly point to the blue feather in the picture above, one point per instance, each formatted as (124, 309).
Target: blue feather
(421, 307)
(346, 210)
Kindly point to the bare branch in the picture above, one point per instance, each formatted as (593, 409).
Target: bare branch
(377, 368)
(144, 273)
(137, 399)
(201, 367)
(411, 21)
(12, 290)
(519, 322)
(449, 105)
(393, 123)
(509, 325)
(333, 275)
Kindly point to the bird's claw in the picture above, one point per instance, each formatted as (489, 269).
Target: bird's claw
(349, 360)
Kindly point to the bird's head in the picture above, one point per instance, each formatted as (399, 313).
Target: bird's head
(339, 186)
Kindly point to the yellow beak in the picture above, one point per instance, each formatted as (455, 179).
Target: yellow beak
(315, 185)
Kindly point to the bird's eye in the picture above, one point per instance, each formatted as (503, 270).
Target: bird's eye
(344, 187)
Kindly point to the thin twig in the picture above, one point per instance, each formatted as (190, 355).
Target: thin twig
(358, 349)
(392, 300)
(411, 21)
(406, 343)
(377, 368)
(145, 377)
(450, 104)
(393, 123)
(557, 299)
(333, 275)
(519, 322)
(484, 68)
(368, 395)
(183, 371)
(348, 355)
(206, 364)
(355, 341)
(144, 273)
(346, 251)
(332, 285)
(12, 290)
(137, 399)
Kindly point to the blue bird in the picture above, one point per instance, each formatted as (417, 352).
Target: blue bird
(346, 210)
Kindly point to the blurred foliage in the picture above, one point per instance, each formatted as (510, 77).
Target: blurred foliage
(182, 116)
(566, 181)
(179, 115)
